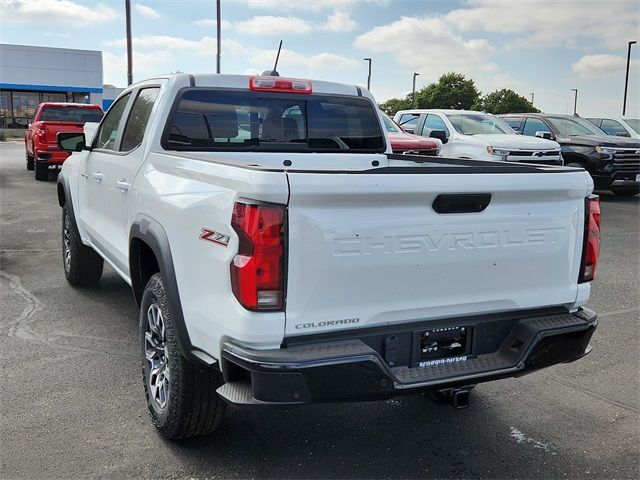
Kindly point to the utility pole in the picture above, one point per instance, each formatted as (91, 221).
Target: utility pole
(626, 78)
(531, 98)
(219, 36)
(369, 76)
(127, 5)
(575, 100)
(413, 91)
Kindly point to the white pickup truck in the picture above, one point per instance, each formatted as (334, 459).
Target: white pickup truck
(478, 135)
(281, 254)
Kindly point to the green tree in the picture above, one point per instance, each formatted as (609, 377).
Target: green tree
(505, 101)
(391, 106)
(452, 90)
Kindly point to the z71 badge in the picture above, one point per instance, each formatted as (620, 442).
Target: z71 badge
(215, 237)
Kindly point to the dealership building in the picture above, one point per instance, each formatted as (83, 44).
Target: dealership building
(32, 75)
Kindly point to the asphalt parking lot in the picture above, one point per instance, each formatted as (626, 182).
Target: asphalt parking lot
(72, 403)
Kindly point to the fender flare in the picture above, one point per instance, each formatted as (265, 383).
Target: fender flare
(150, 232)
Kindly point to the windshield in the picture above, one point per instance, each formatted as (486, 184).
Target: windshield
(208, 119)
(478, 123)
(634, 123)
(71, 114)
(389, 124)
(574, 126)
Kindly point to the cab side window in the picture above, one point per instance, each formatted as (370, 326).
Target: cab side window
(108, 132)
(612, 127)
(138, 118)
(533, 125)
(433, 122)
(408, 121)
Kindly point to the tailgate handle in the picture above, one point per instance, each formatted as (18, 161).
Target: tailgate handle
(461, 202)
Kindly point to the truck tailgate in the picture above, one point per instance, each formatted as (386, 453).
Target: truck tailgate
(368, 249)
(53, 128)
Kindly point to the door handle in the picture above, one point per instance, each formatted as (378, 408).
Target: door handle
(84, 175)
(97, 176)
(123, 185)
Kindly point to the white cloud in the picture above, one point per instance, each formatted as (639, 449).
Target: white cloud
(270, 25)
(289, 58)
(145, 65)
(429, 46)
(212, 22)
(146, 11)
(205, 46)
(314, 5)
(595, 66)
(55, 12)
(549, 23)
(339, 21)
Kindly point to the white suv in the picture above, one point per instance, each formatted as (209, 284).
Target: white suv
(618, 126)
(478, 135)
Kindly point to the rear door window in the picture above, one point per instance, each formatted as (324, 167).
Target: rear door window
(138, 118)
(207, 119)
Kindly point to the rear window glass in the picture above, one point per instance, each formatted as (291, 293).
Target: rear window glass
(70, 114)
(207, 119)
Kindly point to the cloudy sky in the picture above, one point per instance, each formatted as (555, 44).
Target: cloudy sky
(546, 47)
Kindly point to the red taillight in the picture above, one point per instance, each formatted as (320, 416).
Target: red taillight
(257, 271)
(277, 84)
(591, 248)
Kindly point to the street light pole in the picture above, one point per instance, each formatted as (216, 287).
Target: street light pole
(219, 36)
(369, 76)
(127, 7)
(531, 98)
(575, 100)
(413, 91)
(626, 78)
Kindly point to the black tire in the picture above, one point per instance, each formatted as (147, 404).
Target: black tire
(30, 163)
(82, 265)
(42, 171)
(192, 406)
(625, 191)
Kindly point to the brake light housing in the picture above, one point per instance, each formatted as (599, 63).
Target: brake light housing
(258, 270)
(591, 242)
(278, 84)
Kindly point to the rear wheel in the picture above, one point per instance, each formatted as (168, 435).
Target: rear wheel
(181, 396)
(82, 265)
(30, 161)
(42, 171)
(625, 191)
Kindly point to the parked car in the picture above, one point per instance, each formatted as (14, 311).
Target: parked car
(298, 260)
(42, 150)
(618, 126)
(478, 135)
(613, 162)
(407, 143)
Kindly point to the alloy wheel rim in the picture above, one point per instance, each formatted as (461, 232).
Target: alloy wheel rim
(157, 357)
(66, 239)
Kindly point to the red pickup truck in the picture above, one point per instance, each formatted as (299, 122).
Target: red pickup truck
(407, 143)
(40, 138)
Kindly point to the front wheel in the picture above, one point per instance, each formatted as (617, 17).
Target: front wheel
(82, 265)
(625, 191)
(181, 396)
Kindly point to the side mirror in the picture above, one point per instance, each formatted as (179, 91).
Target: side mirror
(541, 134)
(71, 141)
(440, 135)
(623, 134)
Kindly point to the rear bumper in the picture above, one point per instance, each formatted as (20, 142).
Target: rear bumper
(52, 157)
(354, 369)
